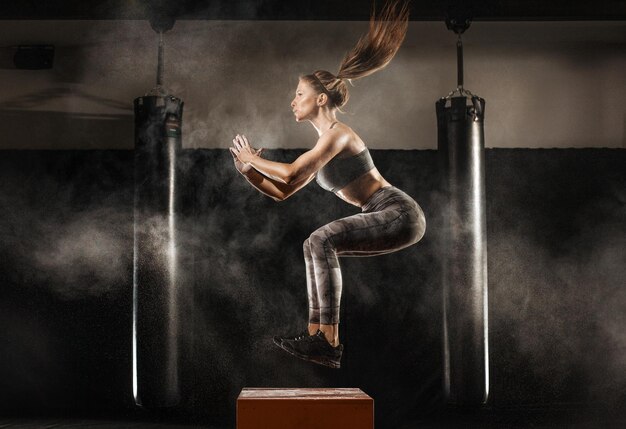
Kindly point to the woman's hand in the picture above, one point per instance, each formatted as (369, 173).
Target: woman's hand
(242, 153)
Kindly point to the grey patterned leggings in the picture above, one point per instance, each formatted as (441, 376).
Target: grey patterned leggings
(390, 220)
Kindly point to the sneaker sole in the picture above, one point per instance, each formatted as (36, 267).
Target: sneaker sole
(318, 360)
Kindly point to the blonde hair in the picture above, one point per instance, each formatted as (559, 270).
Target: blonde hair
(371, 53)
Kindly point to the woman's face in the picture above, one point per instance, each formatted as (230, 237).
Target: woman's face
(304, 103)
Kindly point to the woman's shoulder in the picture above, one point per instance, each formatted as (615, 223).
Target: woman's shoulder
(341, 130)
(341, 127)
(349, 140)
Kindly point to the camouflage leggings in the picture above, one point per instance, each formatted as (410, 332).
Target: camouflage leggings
(390, 220)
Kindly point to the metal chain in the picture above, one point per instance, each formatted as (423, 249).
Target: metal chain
(159, 89)
(459, 57)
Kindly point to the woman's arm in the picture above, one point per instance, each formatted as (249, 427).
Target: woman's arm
(305, 166)
(275, 190)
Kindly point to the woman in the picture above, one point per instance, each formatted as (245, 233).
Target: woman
(341, 163)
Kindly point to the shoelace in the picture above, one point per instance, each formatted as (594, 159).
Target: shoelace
(302, 336)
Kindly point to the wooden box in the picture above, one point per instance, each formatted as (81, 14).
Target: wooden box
(276, 408)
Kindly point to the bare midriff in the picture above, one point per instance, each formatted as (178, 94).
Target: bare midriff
(362, 188)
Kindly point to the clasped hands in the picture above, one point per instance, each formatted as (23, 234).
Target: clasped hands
(243, 153)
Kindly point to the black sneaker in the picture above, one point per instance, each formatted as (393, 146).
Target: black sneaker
(314, 348)
(278, 339)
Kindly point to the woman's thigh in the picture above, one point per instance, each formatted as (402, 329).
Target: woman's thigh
(370, 234)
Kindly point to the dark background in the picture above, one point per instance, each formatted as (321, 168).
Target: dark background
(556, 239)
(324, 10)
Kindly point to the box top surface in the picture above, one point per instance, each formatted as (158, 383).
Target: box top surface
(302, 393)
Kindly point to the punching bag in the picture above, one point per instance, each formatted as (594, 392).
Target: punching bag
(156, 273)
(461, 154)
(461, 149)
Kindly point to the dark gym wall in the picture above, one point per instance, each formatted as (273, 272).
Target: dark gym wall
(240, 76)
(556, 231)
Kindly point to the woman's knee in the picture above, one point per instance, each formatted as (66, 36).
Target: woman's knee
(419, 225)
(320, 241)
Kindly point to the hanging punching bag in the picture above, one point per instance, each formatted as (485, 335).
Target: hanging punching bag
(461, 147)
(157, 276)
(461, 152)
(156, 259)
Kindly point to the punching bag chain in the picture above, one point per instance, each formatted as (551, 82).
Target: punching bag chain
(160, 67)
(458, 19)
(159, 89)
(459, 63)
(460, 91)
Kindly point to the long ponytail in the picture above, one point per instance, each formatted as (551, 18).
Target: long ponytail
(371, 53)
(376, 49)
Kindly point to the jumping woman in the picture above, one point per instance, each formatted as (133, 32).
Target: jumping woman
(390, 220)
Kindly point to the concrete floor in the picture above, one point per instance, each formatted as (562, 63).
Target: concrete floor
(567, 418)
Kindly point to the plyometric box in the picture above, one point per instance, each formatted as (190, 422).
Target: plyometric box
(271, 408)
